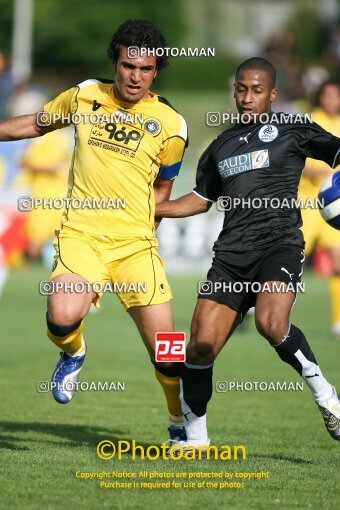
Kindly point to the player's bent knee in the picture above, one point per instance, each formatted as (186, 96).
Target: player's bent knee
(62, 330)
(67, 313)
(271, 328)
(200, 353)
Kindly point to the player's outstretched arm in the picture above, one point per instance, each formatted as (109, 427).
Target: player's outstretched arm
(187, 205)
(24, 126)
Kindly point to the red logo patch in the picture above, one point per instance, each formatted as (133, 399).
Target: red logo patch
(170, 347)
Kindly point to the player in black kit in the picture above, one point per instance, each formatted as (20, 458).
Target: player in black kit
(253, 163)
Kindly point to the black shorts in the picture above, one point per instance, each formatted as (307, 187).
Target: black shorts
(234, 278)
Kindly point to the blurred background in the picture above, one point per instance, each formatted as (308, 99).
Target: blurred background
(46, 46)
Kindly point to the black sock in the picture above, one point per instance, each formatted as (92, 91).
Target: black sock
(197, 387)
(296, 351)
(288, 350)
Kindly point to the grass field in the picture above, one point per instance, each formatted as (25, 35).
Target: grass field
(44, 444)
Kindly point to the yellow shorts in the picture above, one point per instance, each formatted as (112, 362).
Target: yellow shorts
(317, 232)
(132, 267)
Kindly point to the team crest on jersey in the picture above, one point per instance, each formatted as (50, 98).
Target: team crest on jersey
(268, 133)
(152, 126)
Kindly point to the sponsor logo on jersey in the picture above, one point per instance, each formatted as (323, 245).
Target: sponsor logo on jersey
(268, 133)
(244, 163)
(110, 134)
(152, 126)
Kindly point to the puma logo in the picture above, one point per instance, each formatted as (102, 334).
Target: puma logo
(186, 414)
(290, 274)
(244, 138)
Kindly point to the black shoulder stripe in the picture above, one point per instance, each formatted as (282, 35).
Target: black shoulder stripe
(104, 80)
(165, 101)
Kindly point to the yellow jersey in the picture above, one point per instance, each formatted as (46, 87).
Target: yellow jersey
(310, 185)
(120, 149)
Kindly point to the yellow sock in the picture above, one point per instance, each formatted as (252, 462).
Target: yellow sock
(334, 289)
(71, 343)
(170, 387)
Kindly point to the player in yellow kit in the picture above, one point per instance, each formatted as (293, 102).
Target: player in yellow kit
(129, 144)
(315, 230)
(116, 163)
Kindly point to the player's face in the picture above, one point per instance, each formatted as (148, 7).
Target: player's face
(134, 76)
(330, 99)
(253, 92)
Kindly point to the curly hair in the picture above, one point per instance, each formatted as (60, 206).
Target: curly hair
(140, 33)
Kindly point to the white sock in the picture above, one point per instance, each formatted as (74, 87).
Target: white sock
(319, 386)
(195, 426)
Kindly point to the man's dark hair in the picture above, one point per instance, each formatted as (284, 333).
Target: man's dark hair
(141, 33)
(259, 64)
(322, 87)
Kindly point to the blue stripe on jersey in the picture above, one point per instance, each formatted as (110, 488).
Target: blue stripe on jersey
(169, 172)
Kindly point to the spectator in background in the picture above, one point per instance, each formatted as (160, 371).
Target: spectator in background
(333, 49)
(46, 163)
(279, 50)
(27, 98)
(316, 231)
(313, 77)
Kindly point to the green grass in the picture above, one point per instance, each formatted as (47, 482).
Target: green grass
(44, 444)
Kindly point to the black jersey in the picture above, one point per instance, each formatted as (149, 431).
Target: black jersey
(258, 163)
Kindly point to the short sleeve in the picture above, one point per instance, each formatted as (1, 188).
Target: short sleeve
(172, 154)
(62, 107)
(322, 145)
(208, 181)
